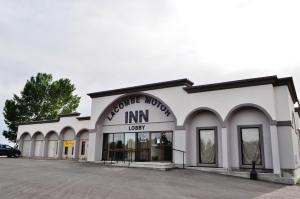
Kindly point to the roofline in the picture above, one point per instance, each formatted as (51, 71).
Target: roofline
(56, 120)
(83, 118)
(145, 87)
(288, 81)
(38, 122)
(69, 114)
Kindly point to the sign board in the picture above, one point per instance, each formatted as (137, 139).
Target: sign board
(69, 143)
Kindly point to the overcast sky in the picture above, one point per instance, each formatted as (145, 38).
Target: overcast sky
(110, 44)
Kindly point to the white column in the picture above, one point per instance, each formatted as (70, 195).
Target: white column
(179, 141)
(60, 149)
(95, 146)
(275, 149)
(225, 147)
(31, 150)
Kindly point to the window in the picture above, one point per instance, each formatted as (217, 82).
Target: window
(83, 148)
(66, 150)
(138, 146)
(250, 145)
(207, 146)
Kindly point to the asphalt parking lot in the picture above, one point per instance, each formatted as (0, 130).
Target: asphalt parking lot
(45, 179)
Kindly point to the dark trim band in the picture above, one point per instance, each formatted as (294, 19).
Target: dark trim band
(159, 85)
(83, 118)
(274, 80)
(38, 122)
(69, 114)
(284, 123)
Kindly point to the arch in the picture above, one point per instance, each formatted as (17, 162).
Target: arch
(24, 134)
(67, 138)
(50, 133)
(118, 99)
(249, 115)
(200, 109)
(51, 144)
(81, 144)
(25, 144)
(81, 132)
(37, 133)
(65, 130)
(38, 144)
(202, 118)
(245, 105)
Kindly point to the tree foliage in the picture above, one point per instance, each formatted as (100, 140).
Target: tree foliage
(41, 99)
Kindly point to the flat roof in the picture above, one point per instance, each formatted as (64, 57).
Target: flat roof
(189, 88)
(274, 80)
(145, 87)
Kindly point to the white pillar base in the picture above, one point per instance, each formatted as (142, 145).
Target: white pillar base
(275, 150)
(225, 148)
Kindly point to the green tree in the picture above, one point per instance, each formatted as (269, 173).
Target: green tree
(41, 99)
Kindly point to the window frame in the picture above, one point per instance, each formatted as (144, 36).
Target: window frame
(261, 144)
(215, 129)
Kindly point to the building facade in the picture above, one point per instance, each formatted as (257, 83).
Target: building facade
(224, 125)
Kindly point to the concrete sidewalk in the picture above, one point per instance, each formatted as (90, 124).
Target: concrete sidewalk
(57, 179)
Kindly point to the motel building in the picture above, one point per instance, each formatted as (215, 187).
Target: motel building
(220, 127)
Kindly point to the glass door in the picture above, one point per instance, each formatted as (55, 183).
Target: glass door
(207, 146)
(143, 146)
(130, 147)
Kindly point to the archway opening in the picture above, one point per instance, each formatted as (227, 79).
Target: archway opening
(25, 144)
(82, 144)
(67, 136)
(249, 137)
(137, 127)
(51, 144)
(38, 146)
(204, 138)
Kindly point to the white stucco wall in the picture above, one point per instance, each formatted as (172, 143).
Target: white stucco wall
(45, 128)
(274, 104)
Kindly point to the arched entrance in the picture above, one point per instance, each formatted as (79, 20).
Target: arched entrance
(82, 143)
(25, 144)
(68, 137)
(137, 127)
(249, 137)
(38, 140)
(52, 144)
(203, 138)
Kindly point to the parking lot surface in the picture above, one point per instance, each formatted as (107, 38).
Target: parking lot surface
(58, 179)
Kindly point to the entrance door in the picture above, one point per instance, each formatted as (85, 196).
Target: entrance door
(207, 146)
(68, 149)
(130, 147)
(83, 149)
(143, 146)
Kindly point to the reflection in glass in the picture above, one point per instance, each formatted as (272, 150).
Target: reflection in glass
(130, 146)
(250, 146)
(119, 146)
(155, 146)
(143, 146)
(167, 144)
(139, 146)
(207, 147)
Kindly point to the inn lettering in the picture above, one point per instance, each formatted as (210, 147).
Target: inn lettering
(138, 116)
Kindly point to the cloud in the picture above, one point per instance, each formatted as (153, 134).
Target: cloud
(110, 44)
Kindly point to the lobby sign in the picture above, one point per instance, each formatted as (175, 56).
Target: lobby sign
(138, 112)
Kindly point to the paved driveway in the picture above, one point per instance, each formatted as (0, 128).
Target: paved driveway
(30, 179)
